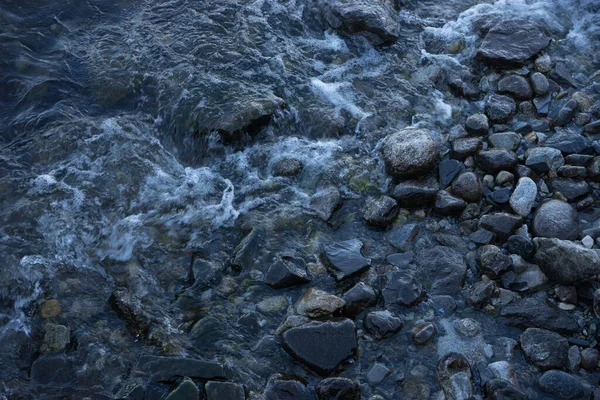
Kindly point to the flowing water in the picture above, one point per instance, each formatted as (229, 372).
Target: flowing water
(123, 158)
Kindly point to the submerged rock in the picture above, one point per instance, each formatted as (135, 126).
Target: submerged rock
(423, 333)
(454, 375)
(344, 258)
(286, 272)
(381, 211)
(442, 268)
(547, 350)
(316, 303)
(500, 389)
(224, 390)
(382, 324)
(338, 388)
(325, 202)
(164, 369)
(511, 43)
(448, 204)
(187, 389)
(402, 289)
(279, 388)
(322, 346)
(566, 262)
(288, 167)
(359, 298)
(409, 153)
(531, 312)
(56, 338)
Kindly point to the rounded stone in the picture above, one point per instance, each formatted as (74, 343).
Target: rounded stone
(467, 327)
(561, 385)
(423, 332)
(556, 219)
(50, 309)
(516, 86)
(467, 186)
(410, 152)
(524, 196)
(477, 124)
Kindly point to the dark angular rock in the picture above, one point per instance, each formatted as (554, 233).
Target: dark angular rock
(279, 388)
(566, 262)
(128, 307)
(589, 358)
(423, 332)
(402, 238)
(511, 43)
(463, 83)
(571, 171)
(481, 291)
(325, 202)
(544, 159)
(286, 272)
(592, 127)
(568, 143)
(448, 170)
(521, 246)
(344, 258)
(498, 196)
(556, 219)
(402, 289)
(492, 262)
(409, 153)
(502, 224)
(338, 389)
(376, 20)
(164, 369)
(540, 125)
(359, 298)
(477, 124)
(561, 74)
(382, 324)
(531, 312)
(381, 212)
(442, 269)
(500, 108)
(52, 370)
(561, 385)
(566, 113)
(580, 160)
(467, 186)
(547, 350)
(505, 140)
(186, 390)
(540, 84)
(481, 236)
(322, 346)
(414, 194)
(496, 160)
(224, 391)
(542, 105)
(569, 188)
(516, 86)
(448, 204)
(498, 389)
(287, 167)
(465, 147)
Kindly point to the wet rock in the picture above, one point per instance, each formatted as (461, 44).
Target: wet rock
(442, 268)
(287, 167)
(556, 219)
(286, 272)
(316, 303)
(56, 338)
(224, 391)
(496, 160)
(521, 246)
(382, 324)
(249, 116)
(592, 127)
(498, 196)
(561, 75)
(477, 124)
(402, 289)
(186, 390)
(279, 388)
(52, 370)
(573, 358)
(571, 189)
(540, 84)
(540, 125)
(467, 327)
(50, 309)
(274, 304)
(325, 202)
(128, 307)
(448, 204)
(377, 373)
(505, 140)
(516, 86)
(511, 43)
(500, 389)
(344, 258)
(546, 349)
(589, 358)
(409, 153)
(467, 186)
(566, 262)
(566, 113)
(561, 384)
(544, 159)
(245, 251)
(523, 197)
(492, 262)
(376, 20)
(499, 108)
(481, 292)
(338, 389)
(322, 346)
(414, 193)
(568, 143)
(531, 312)
(448, 169)
(358, 298)
(291, 321)
(454, 375)
(402, 238)
(501, 224)
(164, 369)
(381, 211)
(465, 147)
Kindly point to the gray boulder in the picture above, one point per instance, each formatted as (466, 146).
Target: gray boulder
(546, 349)
(409, 153)
(556, 219)
(516, 86)
(523, 197)
(566, 262)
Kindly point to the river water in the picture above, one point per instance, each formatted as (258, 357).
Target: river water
(126, 153)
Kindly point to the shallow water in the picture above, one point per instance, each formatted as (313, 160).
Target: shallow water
(115, 171)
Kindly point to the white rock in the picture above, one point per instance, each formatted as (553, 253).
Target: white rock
(587, 242)
(523, 197)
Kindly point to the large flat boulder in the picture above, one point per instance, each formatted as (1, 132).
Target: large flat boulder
(566, 262)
